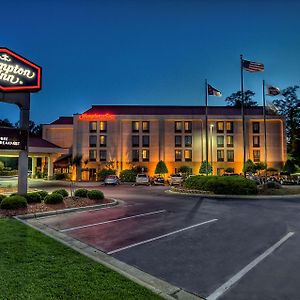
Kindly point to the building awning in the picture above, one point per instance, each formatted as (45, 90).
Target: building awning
(63, 161)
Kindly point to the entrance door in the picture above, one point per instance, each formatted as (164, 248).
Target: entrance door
(92, 174)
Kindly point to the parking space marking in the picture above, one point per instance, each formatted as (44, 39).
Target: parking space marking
(160, 237)
(115, 220)
(227, 285)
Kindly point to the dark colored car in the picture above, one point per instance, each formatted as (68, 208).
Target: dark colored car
(157, 180)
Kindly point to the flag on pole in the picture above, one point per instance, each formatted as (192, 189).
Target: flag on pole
(213, 92)
(251, 66)
(272, 90)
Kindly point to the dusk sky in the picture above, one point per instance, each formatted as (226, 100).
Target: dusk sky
(148, 52)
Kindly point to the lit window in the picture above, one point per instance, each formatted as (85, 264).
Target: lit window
(178, 140)
(220, 141)
(256, 155)
(229, 127)
(135, 141)
(146, 140)
(92, 155)
(220, 127)
(220, 155)
(188, 126)
(93, 140)
(135, 126)
(103, 126)
(230, 155)
(188, 155)
(135, 155)
(146, 126)
(229, 140)
(102, 140)
(256, 141)
(188, 141)
(178, 126)
(178, 155)
(102, 155)
(255, 127)
(93, 126)
(145, 155)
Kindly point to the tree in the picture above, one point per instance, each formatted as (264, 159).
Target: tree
(289, 107)
(203, 168)
(1, 165)
(235, 99)
(260, 166)
(77, 161)
(34, 129)
(161, 168)
(289, 167)
(185, 170)
(6, 123)
(249, 166)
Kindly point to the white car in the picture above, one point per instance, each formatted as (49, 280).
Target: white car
(112, 179)
(175, 179)
(142, 179)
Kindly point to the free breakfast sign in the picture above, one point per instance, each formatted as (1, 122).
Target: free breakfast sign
(18, 73)
(13, 139)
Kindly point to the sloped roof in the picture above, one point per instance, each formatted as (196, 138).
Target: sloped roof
(38, 142)
(63, 121)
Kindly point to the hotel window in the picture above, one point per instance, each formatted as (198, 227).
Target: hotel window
(102, 141)
(92, 155)
(178, 126)
(135, 141)
(220, 127)
(93, 141)
(188, 155)
(135, 126)
(145, 155)
(256, 155)
(93, 126)
(178, 155)
(103, 126)
(188, 126)
(220, 141)
(220, 155)
(146, 140)
(102, 155)
(229, 127)
(135, 155)
(255, 127)
(178, 139)
(256, 141)
(230, 155)
(188, 141)
(229, 140)
(146, 126)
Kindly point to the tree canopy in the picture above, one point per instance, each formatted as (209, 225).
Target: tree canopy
(203, 168)
(235, 99)
(161, 168)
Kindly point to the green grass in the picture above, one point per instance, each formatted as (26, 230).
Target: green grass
(33, 266)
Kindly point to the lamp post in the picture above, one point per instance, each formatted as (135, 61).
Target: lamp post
(211, 146)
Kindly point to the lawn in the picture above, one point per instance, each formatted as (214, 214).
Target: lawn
(33, 266)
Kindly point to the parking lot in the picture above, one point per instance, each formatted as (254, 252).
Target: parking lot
(227, 249)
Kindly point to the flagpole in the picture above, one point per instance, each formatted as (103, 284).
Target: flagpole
(243, 115)
(265, 127)
(206, 126)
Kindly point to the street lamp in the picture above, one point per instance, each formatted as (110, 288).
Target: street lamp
(211, 146)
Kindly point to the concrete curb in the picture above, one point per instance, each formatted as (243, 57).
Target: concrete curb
(156, 285)
(68, 210)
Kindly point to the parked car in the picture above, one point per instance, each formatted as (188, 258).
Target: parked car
(157, 180)
(112, 180)
(142, 179)
(175, 179)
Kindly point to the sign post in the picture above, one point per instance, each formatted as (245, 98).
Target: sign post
(18, 77)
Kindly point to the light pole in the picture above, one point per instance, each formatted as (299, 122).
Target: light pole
(211, 146)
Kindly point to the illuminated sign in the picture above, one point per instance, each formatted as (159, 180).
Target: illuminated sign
(96, 117)
(17, 73)
(13, 139)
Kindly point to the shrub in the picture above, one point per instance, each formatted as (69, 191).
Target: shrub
(61, 176)
(33, 197)
(95, 195)
(272, 185)
(161, 168)
(127, 176)
(102, 174)
(62, 192)
(43, 194)
(13, 202)
(81, 193)
(2, 197)
(54, 198)
(139, 169)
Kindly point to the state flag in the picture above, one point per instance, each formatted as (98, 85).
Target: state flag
(252, 66)
(213, 92)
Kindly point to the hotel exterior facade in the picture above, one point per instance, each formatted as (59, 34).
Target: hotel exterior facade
(126, 136)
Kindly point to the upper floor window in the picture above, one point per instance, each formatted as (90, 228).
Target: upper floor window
(178, 155)
(135, 155)
(146, 140)
(188, 155)
(103, 126)
(230, 155)
(178, 126)
(135, 141)
(229, 140)
(93, 141)
(220, 127)
(145, 155)
(256, 141)
(188, 141)
(92, 155)
(229, 127)
(255, 127)
(220, 155)
(146, 126)
(178, 139)
(188, 126)
(93, 126)
(135, 126)
(102, 155)
(102, 141)
(220, 141)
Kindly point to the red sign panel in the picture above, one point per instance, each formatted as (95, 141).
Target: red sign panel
(18, 73)
(96, 117)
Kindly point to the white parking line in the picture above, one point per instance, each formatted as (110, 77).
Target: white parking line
(115, 220)
(161, 236)
(227, 285)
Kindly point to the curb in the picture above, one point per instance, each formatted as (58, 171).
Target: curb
(67, 210)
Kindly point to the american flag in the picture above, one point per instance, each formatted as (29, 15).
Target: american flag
(252, 66)
(213, 92)
(272, 90)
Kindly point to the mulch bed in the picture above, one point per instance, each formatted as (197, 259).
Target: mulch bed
(69, 202)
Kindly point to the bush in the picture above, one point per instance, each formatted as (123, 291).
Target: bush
(127, 176)
(2, 197)
(81, 193)
(272, 185)
(95, 195)
(62, 192)
(54, 198)
(222, 185)
(102, 174)
(13, 202)
(61, 176)
(33, 197)
(139, 169)
(43, 194)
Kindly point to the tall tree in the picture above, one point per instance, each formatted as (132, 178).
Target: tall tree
(288, 107)
(161, 168)
(5, 123)
(235, 99)
(34, 129)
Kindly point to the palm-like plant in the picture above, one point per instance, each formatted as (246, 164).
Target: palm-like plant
(77, 161)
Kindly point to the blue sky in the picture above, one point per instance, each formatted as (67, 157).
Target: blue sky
(148, 52)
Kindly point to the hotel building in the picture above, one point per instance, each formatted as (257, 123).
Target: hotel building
(124, 136)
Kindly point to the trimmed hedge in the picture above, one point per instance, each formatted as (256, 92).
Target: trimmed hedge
(61, 176)
(81, 193)
(13, 202)
(226, 185)
(128, 175)
(95, 195)
(62, 192)
(54, 198)
(33, 197)
(43, 194)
